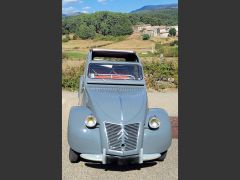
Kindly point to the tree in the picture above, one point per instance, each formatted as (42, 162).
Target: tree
(172, 32)
(116, 24)
(145, 37)
(104, 30)
(86, 32)
(121, 25)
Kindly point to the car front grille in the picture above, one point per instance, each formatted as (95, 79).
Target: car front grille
(122, 137)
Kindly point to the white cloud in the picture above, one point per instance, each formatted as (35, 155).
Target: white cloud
(86, 12)
(85, 8)
(68, 1)
(71, 1)
(69, 10)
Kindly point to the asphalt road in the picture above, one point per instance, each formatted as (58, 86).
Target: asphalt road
(166, 170)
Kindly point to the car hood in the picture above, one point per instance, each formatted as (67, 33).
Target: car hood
(121, 105)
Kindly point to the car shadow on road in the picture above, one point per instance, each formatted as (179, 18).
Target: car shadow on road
(116, 167)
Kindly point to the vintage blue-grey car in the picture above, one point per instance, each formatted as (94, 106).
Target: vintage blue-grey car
(113, 121)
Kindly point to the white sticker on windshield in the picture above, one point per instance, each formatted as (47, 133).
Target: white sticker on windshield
(92, 75)
(107, 65)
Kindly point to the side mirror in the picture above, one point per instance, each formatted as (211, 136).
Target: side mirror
(81, 85)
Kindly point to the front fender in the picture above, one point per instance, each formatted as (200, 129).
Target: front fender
(80, 138)
(159, 140)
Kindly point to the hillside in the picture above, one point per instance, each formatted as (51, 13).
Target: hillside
(156, 7)
(115, 24)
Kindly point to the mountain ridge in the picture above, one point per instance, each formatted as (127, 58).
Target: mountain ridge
(146, 8)
(156, 7)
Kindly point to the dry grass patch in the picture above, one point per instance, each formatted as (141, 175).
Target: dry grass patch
(70, 36)
(132, 44)
(69, 63)
(83, 45)
(165, 59)
(135, 35)
(164, 40)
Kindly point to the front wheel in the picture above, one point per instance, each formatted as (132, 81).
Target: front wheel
(73, 156)
(163, 156)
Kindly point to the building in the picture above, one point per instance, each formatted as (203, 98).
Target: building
(154, 31)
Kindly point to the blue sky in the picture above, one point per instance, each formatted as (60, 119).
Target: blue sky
(91, 6)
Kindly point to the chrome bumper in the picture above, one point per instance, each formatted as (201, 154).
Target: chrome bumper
(103, 157)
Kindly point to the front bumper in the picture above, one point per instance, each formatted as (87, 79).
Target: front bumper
(105, 158)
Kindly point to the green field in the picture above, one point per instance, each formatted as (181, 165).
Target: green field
(74, 55)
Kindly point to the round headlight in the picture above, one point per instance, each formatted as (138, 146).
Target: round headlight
(90, 121)
(154, 123)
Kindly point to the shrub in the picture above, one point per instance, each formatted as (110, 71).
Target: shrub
(71, 76)
(86, 32)
(75, 37)
(172, 32)
(66, 38)
(64, 55)
(167, 51)
(156, 75)
(171, 51)
(145, 37)
(175, 42)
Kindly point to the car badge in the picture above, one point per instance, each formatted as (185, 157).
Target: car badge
(122, 134)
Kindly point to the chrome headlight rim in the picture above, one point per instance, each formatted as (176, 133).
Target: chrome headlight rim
(89, 124)
(154, 122)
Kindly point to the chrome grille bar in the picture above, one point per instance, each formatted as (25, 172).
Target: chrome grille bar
(122, 137)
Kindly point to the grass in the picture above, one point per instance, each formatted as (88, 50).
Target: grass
(166, 50)
(127, 44)
(132, 44)
(110, 38)
(164, 40)
(71, 76)
(74, 55)
(83, 45)
(157, 58)
(147, 54)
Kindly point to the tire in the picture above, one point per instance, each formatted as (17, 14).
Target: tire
(73, 156)
(163, 156)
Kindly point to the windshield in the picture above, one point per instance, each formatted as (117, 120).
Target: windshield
(115, 71)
